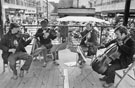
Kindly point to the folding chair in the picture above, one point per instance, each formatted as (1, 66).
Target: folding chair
(125, 73)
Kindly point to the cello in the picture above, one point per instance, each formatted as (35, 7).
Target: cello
(102, 62)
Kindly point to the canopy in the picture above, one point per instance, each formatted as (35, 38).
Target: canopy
(82, 19)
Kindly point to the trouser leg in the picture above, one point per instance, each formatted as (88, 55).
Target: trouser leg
(110, 72)
(28, 60)
(5, 57)
(20, 56)
(55, 54)
(44, 51)
(56, 48)
(12, 63)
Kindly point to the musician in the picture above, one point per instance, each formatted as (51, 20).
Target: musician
(90, 40)
(126, 49)
(13, 47)
(44, 35)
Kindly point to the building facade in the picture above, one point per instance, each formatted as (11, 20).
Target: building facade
(83, 3)
(76, 8)
(113, 7)
(65, 3)
(17, 9)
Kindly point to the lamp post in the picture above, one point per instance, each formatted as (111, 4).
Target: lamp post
(1, 19)
(47, 8)
(126, 12)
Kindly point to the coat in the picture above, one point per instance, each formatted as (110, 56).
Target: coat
(42, 40)
(126, 51)
(6, 43)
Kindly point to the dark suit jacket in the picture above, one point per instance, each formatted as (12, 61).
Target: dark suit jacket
(6, 43)
(126, 50)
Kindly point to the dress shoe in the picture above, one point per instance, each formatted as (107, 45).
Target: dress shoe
(103, 79)
(45, 64)
(14, 77)
(56, 63)
(108, 85)
(21, 73)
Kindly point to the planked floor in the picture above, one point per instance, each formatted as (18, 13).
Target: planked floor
(38, 77)
(53, 76)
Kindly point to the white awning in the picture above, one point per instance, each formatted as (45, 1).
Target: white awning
(82, 19)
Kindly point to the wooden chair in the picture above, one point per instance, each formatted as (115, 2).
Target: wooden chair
(35, 45)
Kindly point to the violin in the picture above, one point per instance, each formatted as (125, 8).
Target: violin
(24, 35)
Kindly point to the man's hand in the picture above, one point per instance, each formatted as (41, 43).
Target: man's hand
(120, 43)
(12, 50)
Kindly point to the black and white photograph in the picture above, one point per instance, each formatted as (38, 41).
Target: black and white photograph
(67, 43)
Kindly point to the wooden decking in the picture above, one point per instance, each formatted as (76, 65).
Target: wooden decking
(53, 76)
(38, 77)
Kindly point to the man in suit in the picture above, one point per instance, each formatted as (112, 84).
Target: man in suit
(126, 48)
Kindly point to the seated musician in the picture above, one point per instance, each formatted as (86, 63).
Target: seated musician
(13, 47)
(126, 49)
(89, 40)
(45, 36)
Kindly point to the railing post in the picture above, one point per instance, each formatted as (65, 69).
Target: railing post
(1, 19)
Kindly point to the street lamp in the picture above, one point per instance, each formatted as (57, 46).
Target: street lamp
(1, 19)
(47, 8)
(126, 12)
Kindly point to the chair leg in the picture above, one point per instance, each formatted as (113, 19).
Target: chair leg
(4, 67)
(53, 57)
(18, 64)
(129, 68)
